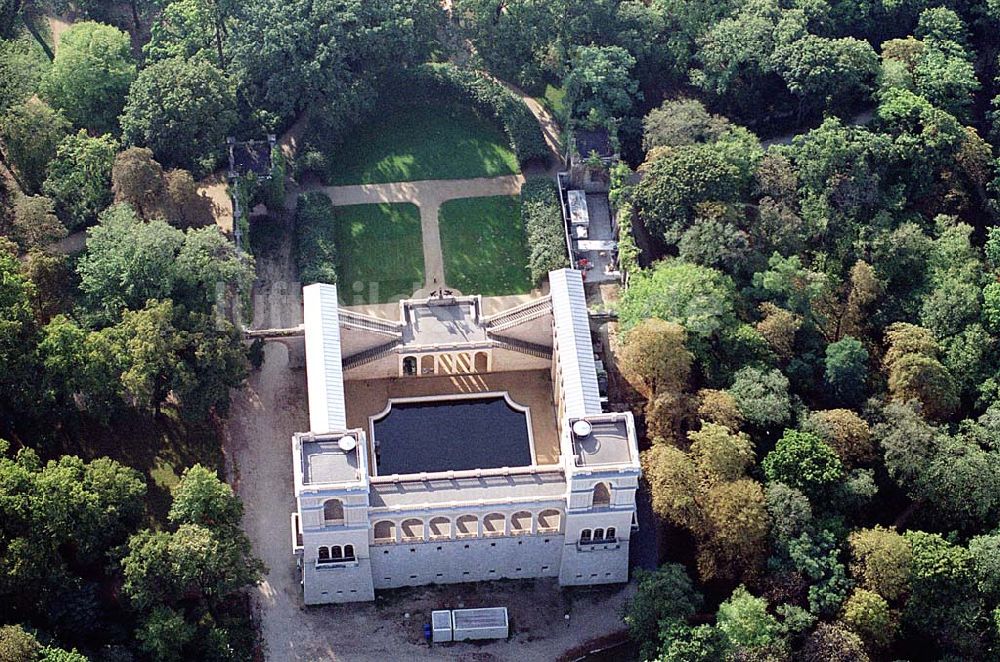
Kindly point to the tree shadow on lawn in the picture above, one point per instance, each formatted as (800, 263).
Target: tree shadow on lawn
(416, 141)
(158, 446)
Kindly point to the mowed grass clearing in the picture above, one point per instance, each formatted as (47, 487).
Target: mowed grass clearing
(484, 246)
(380, 256)
(410, 142)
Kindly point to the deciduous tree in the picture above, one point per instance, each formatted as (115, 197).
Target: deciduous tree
(35, 224)
(137, 179)
(868, 615)
(698, 298)
(128, 262)
(599, 86)
(803, 461)
(79, 178)
(663, 597)
(679, 122)
(746, 623)
(880, 561)
(182, 111)
(844, 431)
(90, 76)
(31, 133)
(654, 359)
(762, 396)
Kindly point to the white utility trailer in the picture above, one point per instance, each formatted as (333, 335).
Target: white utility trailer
(465, 624)
(579, 214)
(484, 623)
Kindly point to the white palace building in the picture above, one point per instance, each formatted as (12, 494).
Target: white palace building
(449, 445)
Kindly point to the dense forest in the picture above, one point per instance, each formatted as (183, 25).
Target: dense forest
(810, 324)
(810, 330)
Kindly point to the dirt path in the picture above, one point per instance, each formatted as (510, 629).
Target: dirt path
(428, 195)
(71, 244)
(57, 26)
(546, 122)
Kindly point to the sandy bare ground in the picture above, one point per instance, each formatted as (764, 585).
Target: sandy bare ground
(428, 195)
(215, 188)
(57, 26)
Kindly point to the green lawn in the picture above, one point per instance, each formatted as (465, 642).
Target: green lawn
(484, 246)
(380, 257)
(408, 142)
(554, 100)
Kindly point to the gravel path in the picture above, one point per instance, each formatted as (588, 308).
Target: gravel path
(428, 195)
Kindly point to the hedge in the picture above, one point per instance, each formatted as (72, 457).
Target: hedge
(543, 224)
(314, 239)
(490, 98)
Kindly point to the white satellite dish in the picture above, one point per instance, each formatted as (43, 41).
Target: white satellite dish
(347, 443)
(582, 428)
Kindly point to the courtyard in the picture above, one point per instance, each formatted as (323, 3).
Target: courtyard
(530, 388)
(437, 182)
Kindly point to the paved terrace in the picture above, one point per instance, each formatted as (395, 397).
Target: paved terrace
(532, 389)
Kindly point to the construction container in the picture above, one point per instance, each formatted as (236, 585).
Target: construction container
(579, 214)
(441, 625)
(485, 623)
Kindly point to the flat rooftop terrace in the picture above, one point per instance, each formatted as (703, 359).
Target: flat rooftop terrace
(532, 389)
(607, 443)
(324, 461)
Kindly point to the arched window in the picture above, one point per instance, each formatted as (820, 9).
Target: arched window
(385, 531)
(602, 496)
(427, 364)
(336, 553)
(598, 534)
(440, 528)
(493, 524)
(413, 529)
(324, 554)
(549, 521)
(585, 535)
(409, 366)
(467, 526)
(348, 552)
(520, 523)
(333, 511)
(610, 533)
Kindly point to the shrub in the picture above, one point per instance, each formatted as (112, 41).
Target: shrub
(314, 238)
(543, 223)
(490, 98)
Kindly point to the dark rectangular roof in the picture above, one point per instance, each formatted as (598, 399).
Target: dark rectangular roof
(593, 140)
(253, 156)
